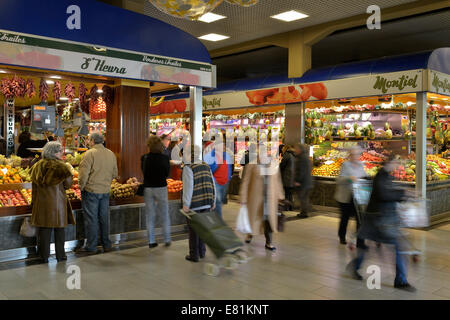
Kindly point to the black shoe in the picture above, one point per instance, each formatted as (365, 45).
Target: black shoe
(42, 260)
(152, 245)
(353, 273)
(302, 215)
(189, 258)
(356, 275)
(202, 257)
(270, 247)
(167, 244)
(85, 252)
(248, 239)
(342, 241)
(61, 259)
(405, 286)
(106, 250)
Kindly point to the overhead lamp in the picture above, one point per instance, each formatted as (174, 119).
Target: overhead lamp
(99, 91)
(3, 71)
(64, 98)
(210, 17)
(182, 88)
(55, 77)
(289, 16)
(50, 81)
(213, 37)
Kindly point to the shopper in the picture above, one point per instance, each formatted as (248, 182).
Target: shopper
(156, 167)
(261, 189)
(381, 223)
(96, 172)
(221, 167)
(303, 178)
(51, 209)
(165, 138)
(199, 195)
(351, 171)
(287, 168)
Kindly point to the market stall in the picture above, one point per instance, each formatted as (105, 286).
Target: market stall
(396, 105)
(68, 83)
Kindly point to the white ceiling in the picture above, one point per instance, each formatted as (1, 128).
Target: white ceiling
(245, 24)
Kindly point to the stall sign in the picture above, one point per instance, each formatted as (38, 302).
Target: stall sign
(43, 119)
(439, 82)
(9, 112)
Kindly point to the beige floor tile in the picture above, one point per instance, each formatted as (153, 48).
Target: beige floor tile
(443, 292)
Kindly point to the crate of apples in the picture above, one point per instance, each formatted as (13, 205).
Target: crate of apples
(12, 198)
(26, 193)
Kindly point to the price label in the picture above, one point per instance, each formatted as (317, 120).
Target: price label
(403, 148)
(329, 162)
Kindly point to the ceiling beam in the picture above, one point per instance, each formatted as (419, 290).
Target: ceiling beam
(316, 33)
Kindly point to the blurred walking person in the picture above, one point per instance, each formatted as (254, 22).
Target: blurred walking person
(287, 168)
(381, 223)
(351, 171)
(96, 172)
(156, 168)
(51, 208)
(221, 166)
(261, 190)
(303, 178)
(199, 195)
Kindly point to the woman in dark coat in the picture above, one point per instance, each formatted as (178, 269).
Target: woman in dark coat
(51, 208)
(287, 168)
(381, 223)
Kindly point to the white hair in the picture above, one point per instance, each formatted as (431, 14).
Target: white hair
(51, 149)
(97, 137)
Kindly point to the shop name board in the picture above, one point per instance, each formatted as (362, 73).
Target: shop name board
(167, 62)
(100, 65)
(214, 103)
(404, 81)
(440, 84)
(12, 38)
(9, 111)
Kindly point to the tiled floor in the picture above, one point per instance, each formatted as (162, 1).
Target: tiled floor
(309, 264)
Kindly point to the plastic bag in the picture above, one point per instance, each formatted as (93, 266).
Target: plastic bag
(27, 230)
(413, 214)
(243, 224)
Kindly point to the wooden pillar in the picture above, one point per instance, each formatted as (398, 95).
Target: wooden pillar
(127, 129)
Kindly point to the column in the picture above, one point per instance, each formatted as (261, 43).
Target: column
(127, 128)
(196, 109)
(294, 128)
(421, 143)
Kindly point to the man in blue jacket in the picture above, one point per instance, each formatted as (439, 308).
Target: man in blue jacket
(222, 169)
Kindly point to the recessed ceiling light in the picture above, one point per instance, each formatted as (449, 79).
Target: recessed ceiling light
(289, 16)
(210, 17)
(50, 81)
(55, 77)
(213, 37)
(99, 91)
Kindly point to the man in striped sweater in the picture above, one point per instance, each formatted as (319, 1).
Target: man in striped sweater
(199, 195)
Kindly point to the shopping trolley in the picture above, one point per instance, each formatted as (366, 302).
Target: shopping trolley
(219, 238)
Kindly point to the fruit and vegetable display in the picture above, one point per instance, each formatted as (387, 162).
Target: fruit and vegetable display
(121, 191)
(330, 168)
(9, 174)
(15, 198)
(174, 186)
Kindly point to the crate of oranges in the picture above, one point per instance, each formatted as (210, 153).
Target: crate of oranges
(174, 188)
(9, 175)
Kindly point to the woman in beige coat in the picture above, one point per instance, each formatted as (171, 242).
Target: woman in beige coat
(262, 182)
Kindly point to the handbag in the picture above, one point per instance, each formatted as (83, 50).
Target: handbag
(141, 187)
(243, 223)
(27, 230)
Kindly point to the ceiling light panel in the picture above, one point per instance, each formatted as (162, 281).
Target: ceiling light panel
(211, 17)
(213, 37)
(289, 16)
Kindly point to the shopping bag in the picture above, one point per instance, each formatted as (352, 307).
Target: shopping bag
(27, 230)
(413, 214)
(243, 224)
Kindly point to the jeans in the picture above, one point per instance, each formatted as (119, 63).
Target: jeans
(156, 202)
(401, 268)
(197, 248)
(220, 194)
(96, 217)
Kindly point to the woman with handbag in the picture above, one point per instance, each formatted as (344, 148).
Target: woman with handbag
(261, 189)
(51, 208)
(156, 167)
